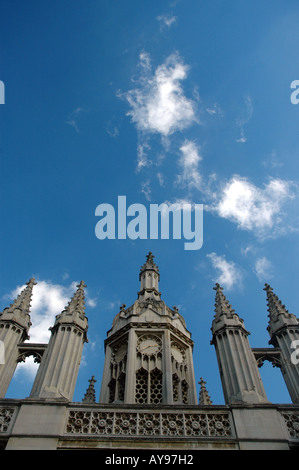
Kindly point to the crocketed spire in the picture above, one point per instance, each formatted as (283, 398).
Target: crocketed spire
(279, 316)
(204, 397)
(90, 395)
(222, 306)
(23, 300)
(225, 315)
(275, 307)
(74, 312)
(77, 302)
(19, 310)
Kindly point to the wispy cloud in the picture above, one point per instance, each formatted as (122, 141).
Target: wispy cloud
(272, 161)
(146, 190)
(228, 274)
(263, 269)
(247, 250)
(73, 118)
(112, 129)
(188, 162)
(143, 148)
(214, 110)
(161, 178)
(242, 139)
(244, 119)
(166, 21)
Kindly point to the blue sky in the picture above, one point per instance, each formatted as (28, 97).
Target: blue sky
(183, 101)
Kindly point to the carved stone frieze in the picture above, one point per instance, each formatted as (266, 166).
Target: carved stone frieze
(149, 423)
(6, 415)
(292, 424)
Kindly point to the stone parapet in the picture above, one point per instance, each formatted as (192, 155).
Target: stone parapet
(43, 424)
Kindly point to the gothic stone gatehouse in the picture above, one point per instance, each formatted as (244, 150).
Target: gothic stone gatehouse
(148, 395)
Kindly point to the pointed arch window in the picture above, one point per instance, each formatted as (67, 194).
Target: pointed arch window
(121, 386)
(176, 388)
(112, 387)
(185, 389)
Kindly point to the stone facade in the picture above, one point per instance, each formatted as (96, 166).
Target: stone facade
(148, 395)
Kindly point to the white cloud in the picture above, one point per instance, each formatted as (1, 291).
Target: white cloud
(189, 163)
(263, 268)
(252, 208)
(158, 105)
(47, 301)
(90, 302)
(228, 273)
(28, 368)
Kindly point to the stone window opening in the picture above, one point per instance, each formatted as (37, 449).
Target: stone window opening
(149, 386)
(180, 390)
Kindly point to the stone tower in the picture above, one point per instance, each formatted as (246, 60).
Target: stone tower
(148, 350)
(14, 327)
(241, 380)
(58, 370)
(283, 329)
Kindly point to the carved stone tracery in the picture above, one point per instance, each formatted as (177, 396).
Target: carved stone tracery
(6, 415)
(292, 424)
(149, 423)
(267, 354)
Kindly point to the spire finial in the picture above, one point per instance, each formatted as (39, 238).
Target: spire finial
(149, 265)
(204, 397)
(90, 395)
